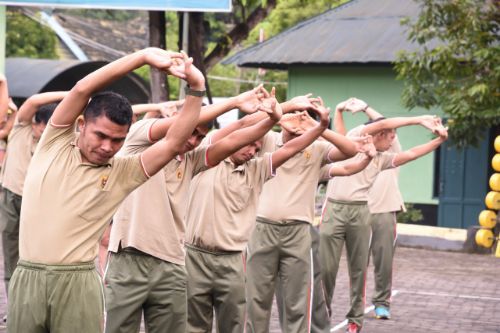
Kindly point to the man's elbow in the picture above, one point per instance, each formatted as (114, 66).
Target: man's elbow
(82, 87)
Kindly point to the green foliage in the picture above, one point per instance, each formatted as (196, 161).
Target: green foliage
(457, 67)
(286, 14)
(27, 38)
(411, 215)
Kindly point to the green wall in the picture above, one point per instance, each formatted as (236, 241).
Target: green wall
(379, 88)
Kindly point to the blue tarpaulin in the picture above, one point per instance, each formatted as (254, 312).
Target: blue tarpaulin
(167, 5)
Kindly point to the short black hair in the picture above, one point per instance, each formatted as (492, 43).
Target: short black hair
(113, 106)
(44, 113)
(371, 121)
(208, 125)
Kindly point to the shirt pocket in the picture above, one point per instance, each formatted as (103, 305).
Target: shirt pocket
(238, 197)
(96, 205)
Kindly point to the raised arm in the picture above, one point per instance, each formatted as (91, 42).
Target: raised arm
(418, 151)
(344, 147)
(4, 97)
(356, 165)
(158, 155)
(427, 121)
(7, 126)
(295, 104)
(33, 103)
(247, 102)
(338, 120)
(74, 103)
(299, 143)
(244, 136)
(350, 168)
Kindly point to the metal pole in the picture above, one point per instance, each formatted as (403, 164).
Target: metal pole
(185, 47)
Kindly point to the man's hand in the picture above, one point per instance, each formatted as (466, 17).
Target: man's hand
(363, 143)
(193, 75)
(249, 101)
(322, 111)
(168, 109)
(443, 133)
(163, 59)
(293, 122)
(301, 103)
(352, 105)
(356, 105)
(433, 123)
(272, 107)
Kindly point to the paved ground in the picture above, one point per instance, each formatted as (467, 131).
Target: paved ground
(435, 291)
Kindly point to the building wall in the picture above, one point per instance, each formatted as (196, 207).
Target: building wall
(378, 87)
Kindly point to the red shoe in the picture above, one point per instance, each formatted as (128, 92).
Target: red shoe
(353, 328)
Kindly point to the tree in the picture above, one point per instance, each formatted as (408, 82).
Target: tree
(457, 67)
(27, 38)
(279, 16)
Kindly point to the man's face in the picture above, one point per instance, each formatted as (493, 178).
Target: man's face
(100, 139)
(246, 153)
(37, 129)
(383, 140)
(195, 139)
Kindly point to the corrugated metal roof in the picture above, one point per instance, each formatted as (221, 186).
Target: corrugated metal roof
(360, 31)
(27, 77)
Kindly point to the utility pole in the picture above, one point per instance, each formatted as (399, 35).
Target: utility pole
(157, 38)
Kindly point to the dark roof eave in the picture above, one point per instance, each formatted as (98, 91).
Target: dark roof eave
(286, 66)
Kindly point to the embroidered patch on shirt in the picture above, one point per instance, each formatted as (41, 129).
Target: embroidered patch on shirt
(104, 180)
(307, 154)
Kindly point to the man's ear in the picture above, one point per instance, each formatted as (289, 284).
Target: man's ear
(81, 124)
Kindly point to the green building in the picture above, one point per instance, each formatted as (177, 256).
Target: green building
(349, 51)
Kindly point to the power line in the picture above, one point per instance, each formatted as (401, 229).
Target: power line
(232, 79)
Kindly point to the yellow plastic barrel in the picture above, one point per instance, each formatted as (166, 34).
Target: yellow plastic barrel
(495, 162)
(495, 182)
(484, 237)
(488, 219)
(492, 200)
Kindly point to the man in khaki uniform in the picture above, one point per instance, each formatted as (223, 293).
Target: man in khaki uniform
(346, 217)
(7, 107)
(150, 247)
(281, 242)
(29, 124)
(384, 201)
(221, 215)
(74, 185)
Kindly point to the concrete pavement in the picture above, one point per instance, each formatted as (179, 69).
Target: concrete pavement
(434, 291)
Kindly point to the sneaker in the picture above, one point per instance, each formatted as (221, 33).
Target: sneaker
(382, 313)
(4, 319)
(353, 328)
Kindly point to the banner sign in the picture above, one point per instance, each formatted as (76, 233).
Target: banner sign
(163, 5)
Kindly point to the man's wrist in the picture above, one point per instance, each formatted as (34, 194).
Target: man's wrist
(194, 92)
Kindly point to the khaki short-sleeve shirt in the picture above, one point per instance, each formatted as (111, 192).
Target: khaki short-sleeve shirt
(290, 194)
(384, 195)
(356, 187)
(223, 203)
(151, 218)
(18, 156)
(68, 203)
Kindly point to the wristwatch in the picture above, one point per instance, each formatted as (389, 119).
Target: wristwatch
(192, 92)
